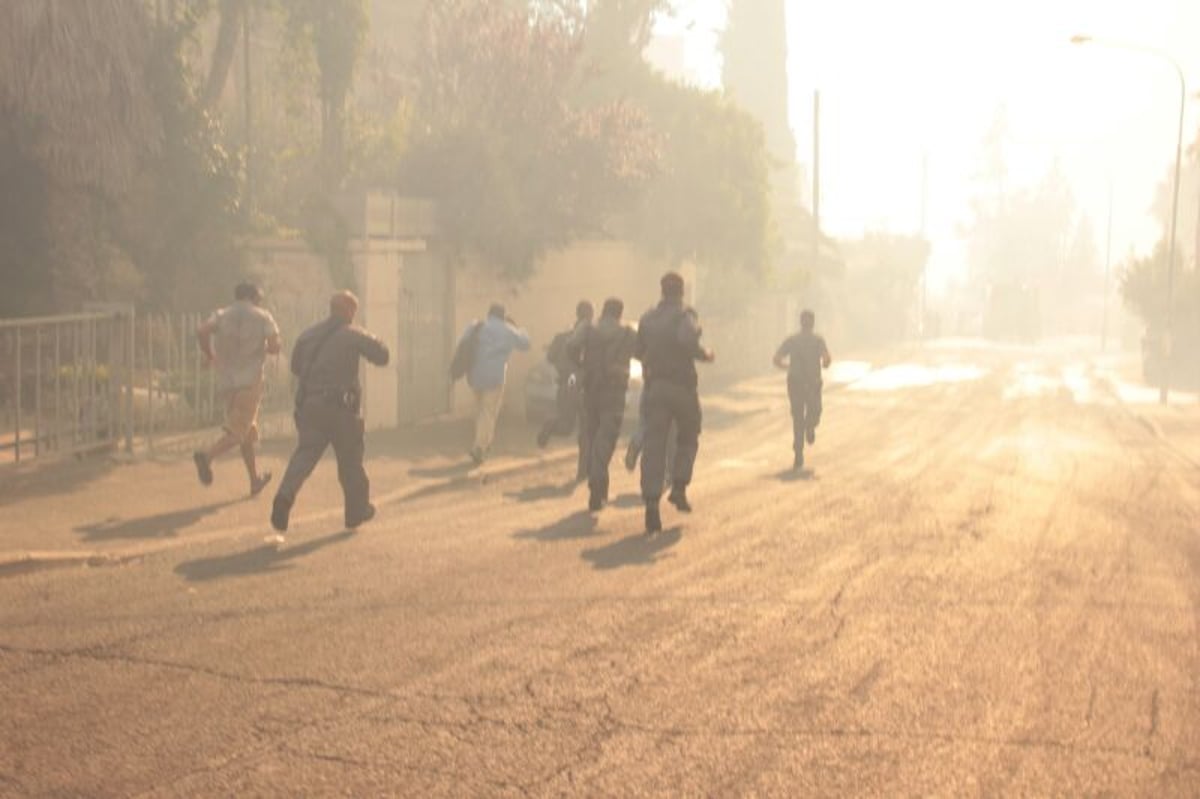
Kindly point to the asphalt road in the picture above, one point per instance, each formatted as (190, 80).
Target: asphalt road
(989, 585)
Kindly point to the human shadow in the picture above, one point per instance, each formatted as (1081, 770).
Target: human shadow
(460, 469)
(797, 476)
(457, 484)
(160, 525)
(260, 560)
(635, 550)
(628, 501)
(544, 492)
(580, 524)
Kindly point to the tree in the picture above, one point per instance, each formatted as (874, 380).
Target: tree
(336, 31)
(231, 17)
(76, 118)
(710, 200)
(516, 165)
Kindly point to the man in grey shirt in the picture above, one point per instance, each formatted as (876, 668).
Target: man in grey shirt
(236, 341)
(325, 360)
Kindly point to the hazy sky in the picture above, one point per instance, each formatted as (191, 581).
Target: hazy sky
(899, 79)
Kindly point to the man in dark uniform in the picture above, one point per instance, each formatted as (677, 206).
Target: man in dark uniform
(668, 345)
(604, 349)
(568, 404)
(804, 355)
(328, 400)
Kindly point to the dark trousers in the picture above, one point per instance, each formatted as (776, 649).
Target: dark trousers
(603, 413)
(567, 412)
(319, 424)
(806, 411)
(666, 404)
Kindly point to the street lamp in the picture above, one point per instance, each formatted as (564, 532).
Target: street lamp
(1165, 387)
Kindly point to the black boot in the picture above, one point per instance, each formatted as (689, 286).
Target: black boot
(355, 520)
(653, 519)
(678, 498)
(280, 511)
(599, 495)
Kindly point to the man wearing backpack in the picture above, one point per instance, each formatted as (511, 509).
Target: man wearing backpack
(568, 404)
(668, 345)
(604, 350)
(496, 339)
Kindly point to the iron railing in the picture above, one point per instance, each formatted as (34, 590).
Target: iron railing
(85, 382)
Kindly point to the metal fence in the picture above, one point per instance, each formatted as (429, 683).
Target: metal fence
(79, 383)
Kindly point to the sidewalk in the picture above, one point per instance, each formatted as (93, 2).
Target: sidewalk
(110, 509)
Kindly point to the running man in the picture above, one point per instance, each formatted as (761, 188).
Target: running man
(804, 356)
(236, 341)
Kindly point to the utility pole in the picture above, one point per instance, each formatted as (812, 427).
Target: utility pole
(925, 266)
(816, 185)
(1107, 269)
(248, 109)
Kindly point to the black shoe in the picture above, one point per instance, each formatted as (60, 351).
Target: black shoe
(259, 483)
(596, 502)
(811, 435)
(203, 468)
(678, 498)
(798, 463)
(632, 453)
(653, 519)
(280, 511)
(543, 439)
(367, 514)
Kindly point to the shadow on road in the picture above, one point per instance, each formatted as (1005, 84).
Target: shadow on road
(161, 525)
(443, 472)
(457, 484)
(628, 501)
(544, 492)
(261, 560)
(797, 476)
(636, 550)
(580, 524)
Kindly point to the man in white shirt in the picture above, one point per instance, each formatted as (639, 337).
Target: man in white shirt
(236, 341)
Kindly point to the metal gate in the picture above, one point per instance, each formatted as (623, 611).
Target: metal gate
(426, 337)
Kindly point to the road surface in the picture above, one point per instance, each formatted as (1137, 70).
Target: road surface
(988, 585)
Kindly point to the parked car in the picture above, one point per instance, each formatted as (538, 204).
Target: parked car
(541, 392)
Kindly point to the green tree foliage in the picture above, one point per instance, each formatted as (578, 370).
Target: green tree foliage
(118, 186)
(336, 31)
(877, 300)
(1143, 282)
(181, 223)
(710, 201)
(75, 120)
(515, 164)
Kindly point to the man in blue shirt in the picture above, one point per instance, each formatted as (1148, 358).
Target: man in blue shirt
(498, 338)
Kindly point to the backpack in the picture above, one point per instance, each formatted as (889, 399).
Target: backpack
(464, 353)
(556, 353)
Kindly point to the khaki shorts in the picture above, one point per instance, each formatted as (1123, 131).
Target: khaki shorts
(241, 413)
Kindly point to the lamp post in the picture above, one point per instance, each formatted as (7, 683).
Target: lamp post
(1165, 382)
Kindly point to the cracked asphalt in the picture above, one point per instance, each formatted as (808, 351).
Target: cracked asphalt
(988, 585)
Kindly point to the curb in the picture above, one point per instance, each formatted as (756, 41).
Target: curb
(20, 563)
